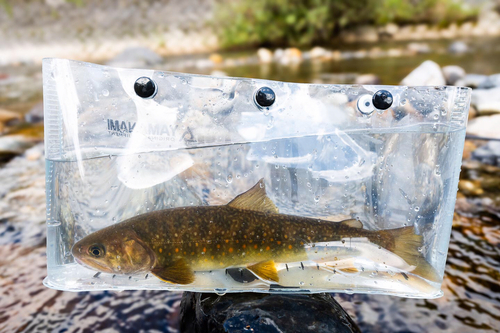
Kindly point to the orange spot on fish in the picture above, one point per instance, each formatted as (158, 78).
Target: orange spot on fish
(290, 247)
(204, 249)
(161, 250)
(279, 242)
(196, 244)
(230, 250)
(286, 236)
(218, 246)
(244, 246)
(176, 250)
(223, 253)
(212, 257)
(268, 248)
(255, 246)
(192, 253)
(227, 241)
(272, 239)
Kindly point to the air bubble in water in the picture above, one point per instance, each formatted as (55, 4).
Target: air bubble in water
(105, 92)
(301, 283)
(417, 208)
(229, 178)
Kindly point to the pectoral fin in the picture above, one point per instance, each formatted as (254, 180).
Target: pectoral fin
(265, 270)
(353, 223)
(178, 273)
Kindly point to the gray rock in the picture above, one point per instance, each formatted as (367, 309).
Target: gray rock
(491, 81)
(453, 73)
(252, 312)
(488, 154)
(427, 74)
(13, 145)
(486, 101)
(471, 80)
(458, 47)
(35, 115)
(136, 57)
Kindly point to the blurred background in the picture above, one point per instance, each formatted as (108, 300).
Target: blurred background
(415, 42)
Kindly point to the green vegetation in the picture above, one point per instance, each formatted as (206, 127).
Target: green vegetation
(306, 22)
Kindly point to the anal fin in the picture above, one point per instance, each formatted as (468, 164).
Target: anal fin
(178, 273)
(265, 270)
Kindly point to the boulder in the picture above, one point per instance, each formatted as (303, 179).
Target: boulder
(453, 73)
(458, 47)
(427, 74)
(486, 101)
(136, 57)
(253, 312)
(265, 55)
(485, 127)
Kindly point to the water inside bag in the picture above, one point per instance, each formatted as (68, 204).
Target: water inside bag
(386, 179)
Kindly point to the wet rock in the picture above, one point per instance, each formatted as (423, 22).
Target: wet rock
(485, 127)
(488, 154)
(13, 145)
(265, 55)
(471, 80)
(491, 81)
(136, 57)
(252, 312)
(458, 47)
(8, 118)
(427, 74)
(453, 73)
(35, 115)
(486, 101)
(470, 187)
(367, 79)
(419, 48)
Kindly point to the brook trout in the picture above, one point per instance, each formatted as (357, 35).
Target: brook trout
(247, 232)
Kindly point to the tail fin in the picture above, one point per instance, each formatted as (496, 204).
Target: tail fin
(405, 243)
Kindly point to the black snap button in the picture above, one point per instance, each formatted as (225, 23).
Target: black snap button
(382, 100)
(145, 87)
(265, 97)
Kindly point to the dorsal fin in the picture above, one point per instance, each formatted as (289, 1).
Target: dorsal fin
(353, 223)
(255, 199)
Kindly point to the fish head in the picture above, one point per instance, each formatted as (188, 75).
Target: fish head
(114, 250)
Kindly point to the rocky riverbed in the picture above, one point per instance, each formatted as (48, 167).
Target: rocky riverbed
(471, 287)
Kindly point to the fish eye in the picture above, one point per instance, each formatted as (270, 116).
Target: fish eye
(96, 250)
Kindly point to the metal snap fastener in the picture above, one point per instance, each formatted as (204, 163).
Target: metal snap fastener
(382, 100)
(265, 97)
(145, 87)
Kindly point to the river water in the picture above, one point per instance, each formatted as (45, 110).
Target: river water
(471, 286)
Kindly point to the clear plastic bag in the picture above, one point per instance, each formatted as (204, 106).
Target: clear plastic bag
(230, 185)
